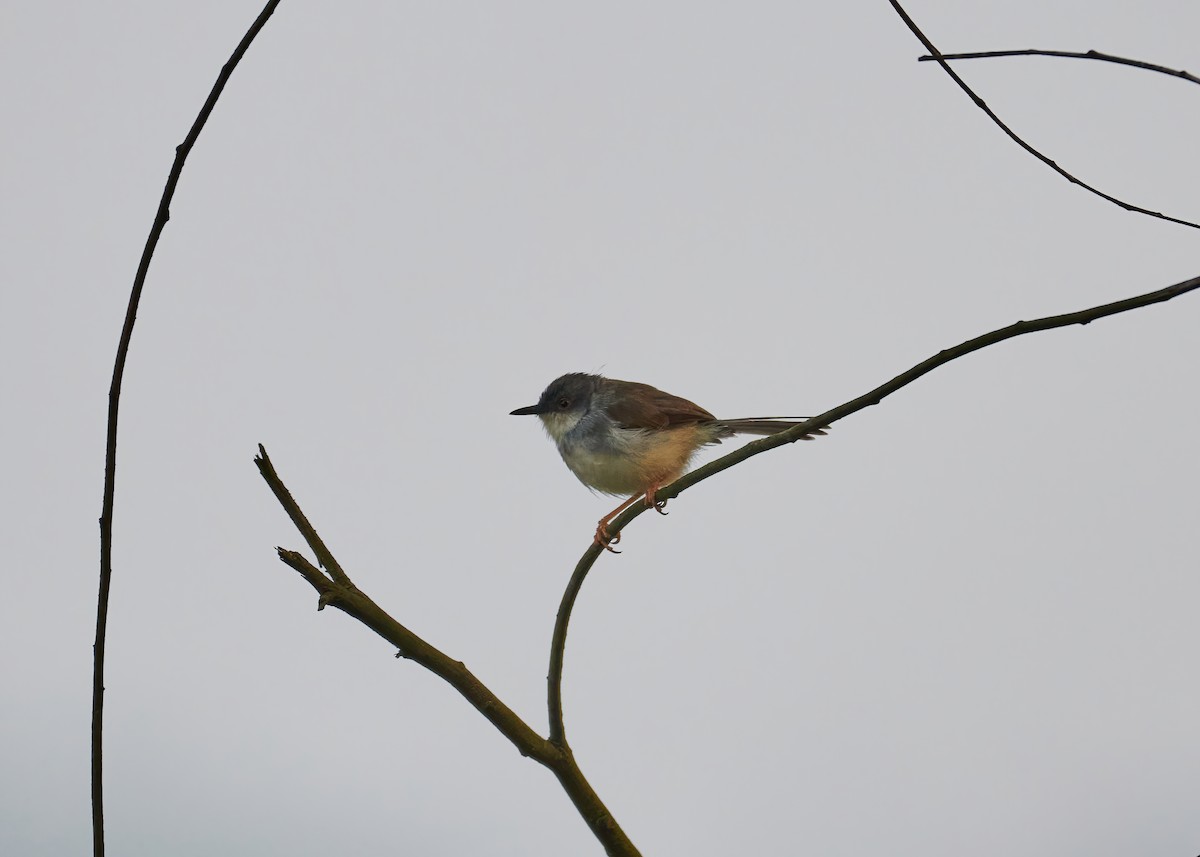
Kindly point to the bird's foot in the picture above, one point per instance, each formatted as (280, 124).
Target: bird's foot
(657, 505)
(603, 539)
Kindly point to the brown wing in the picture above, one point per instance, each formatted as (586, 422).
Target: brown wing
(636, 405)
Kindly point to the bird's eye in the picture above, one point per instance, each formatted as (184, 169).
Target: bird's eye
(564, 403)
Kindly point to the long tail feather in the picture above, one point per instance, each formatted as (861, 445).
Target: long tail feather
(768, 425)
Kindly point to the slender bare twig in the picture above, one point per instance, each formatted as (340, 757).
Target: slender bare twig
(114, 397)
(558, 640)
(338, 590)
(979, 102)
(1080, 55)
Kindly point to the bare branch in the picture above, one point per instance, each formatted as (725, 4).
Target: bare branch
(940, 58)
(336, 589)
(1080, 55)
(555, 752)
(114, 397)
(558, 640)
(314, 541)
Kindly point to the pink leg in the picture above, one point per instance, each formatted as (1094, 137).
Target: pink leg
(602, 537)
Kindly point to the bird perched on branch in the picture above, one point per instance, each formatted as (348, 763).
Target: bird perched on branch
(626, 438)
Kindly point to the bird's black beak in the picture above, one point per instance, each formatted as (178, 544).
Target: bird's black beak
(521, 412)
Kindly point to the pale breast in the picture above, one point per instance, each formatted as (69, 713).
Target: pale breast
(604, 470)
(628, 461)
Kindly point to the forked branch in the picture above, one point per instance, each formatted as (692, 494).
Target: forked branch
(334, 587)
(940, 58)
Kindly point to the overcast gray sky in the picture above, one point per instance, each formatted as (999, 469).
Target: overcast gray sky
(965, 622)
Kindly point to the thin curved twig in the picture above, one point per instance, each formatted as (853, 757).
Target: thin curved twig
(558, 640)
(161, 217)
(1079, 55)
(336, 589)
(982, 105)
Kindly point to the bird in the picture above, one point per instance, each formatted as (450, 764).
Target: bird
(630, 439)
